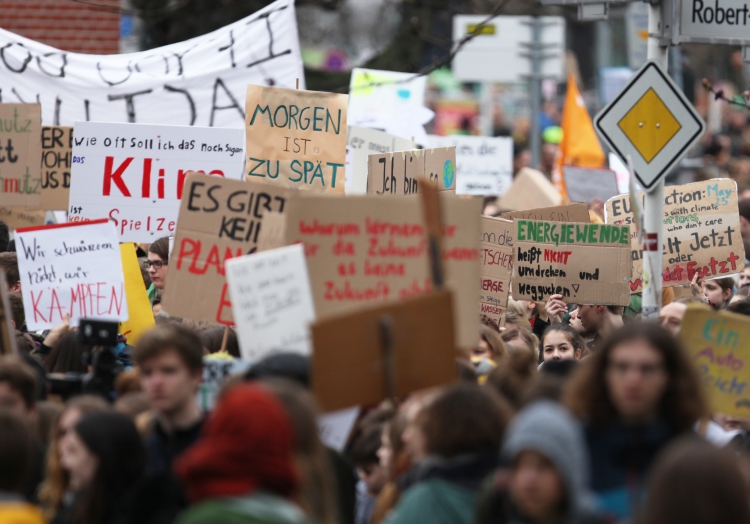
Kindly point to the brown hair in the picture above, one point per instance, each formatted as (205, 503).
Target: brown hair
(15, 451)
(513, 375)
(168, 336)
(9, 264)
(161, 248)
(462, 419)
(682, 403)
(528, 338)
(213, 337)
(571, 334)
(20, 377)
(16, 309)
(494, 342)
(724, 283)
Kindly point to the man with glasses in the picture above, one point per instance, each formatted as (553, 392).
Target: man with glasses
(157, 266)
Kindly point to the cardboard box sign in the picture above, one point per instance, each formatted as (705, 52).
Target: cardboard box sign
(401, 173)
(296, 138)
(496, 267)
(271, 235)
(530, 189)
(57, 158)
(361, 142)
(21, 155)
(7, 333)
(586, 184)
(701, 232)
(18, 217)
(577, 212)
(219, 219)
(585, 263)
(718, 343)
(400, 348)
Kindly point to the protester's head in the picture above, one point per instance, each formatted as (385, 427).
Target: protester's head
(247, 445)
(4, 237)
(15, 451)
(518, 313)
(291, 366)
(9, 264)
(392, 452)
(595, 318)
(67, 355)
(16, 310)
(490, 346)
(104, 457)
(671, 316)
(744, 207)
(744, 277)
(513, 375)
(640, 373)
(692, 481)
(170, 358)
(213, 337)
(18, 386)
(718, 291)
(158, 262)
(519, 339)
(575, 323)
(561, 342)
(364, 455)
(741, 307)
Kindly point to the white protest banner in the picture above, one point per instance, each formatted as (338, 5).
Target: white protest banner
(134, 173)
(73, 269)
(201, 81)
(362, 142)
(271, 301)
(585, 184)
(484, 165)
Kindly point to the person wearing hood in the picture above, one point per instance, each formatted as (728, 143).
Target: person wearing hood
(547, 479)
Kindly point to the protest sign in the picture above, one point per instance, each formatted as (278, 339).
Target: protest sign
(719, 346)
(20, 155)
(363, 249)
(296, 138)
(271, 302)
(484, 165)
(271, 235)
(18, 217)
(140, 314)
(57, 158)
(361, 142)
(497, 267)
(530, 189)
(7, 333)
(701, 232)
(400, 173)
(335, 428)
(219, 219)
(400, 348)
(567, 213)
(585, 263)
(72, 269)
(586, 184)
(196, 82)
(216, 369)
(134, 174)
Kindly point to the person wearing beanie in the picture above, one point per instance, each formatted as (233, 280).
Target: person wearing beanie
(547, 479)
(241, 470)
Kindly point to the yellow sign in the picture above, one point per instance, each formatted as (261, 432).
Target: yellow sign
(139, 308)
(649, 125)
(488, 29)
(718, 345)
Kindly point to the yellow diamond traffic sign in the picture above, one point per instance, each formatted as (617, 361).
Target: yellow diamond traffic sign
(651, 122)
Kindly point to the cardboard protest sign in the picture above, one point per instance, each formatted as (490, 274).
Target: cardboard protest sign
(585, 263)
(400, 348)
(271, 302)
(484, 165)
(585, 184)
(296, 138)
(497, 267)
(73, 269)
(140, 314)
(719, 346)
(361, 142)
(701, 232)
(7, 333)
(219, 219)
(18, 217)
(364, 249)
(567, 213)
(271, 235)
(20, 155)
(135, 173)
(400, 173)
(57, 158)
(530, 189)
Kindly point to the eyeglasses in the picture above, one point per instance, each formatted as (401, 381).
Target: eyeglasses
(158, 264)
(645, 370)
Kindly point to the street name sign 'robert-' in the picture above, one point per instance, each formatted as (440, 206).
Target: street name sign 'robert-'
(712, 21)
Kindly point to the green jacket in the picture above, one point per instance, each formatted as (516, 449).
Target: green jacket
(435, 501)
(258, 508)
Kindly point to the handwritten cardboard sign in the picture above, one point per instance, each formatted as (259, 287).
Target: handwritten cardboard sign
(400, 173)
(7, 333)
(719, 346)
(135, 173)
(361, 142)
(585, 184)
(568, 213)
(72, 269)
(20, 155)
(701, 232)
(530, 189)
(497, 267)
(585, 263)
(19, 217)
(140, 314)
(484, 165)
(57, 158)
(271, 302)
(296, 138)
(364, 249)
(219, 219)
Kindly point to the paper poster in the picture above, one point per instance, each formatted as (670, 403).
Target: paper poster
(215, 371)
(484, 164)
(585, 263)
(57, 157)
(271, 302)
(18, 217)
(296, 138)
(20, 155)
(73, 269)
(586, 184)
(701, 232)
(360, 144)
(219, 219)
(335, 428)
(140, 314)
(135, 173)
(567, 213)
(719, 346)
(497, 267)
(400, 173)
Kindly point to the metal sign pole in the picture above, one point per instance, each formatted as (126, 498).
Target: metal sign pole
(536, 57)
(653, 219)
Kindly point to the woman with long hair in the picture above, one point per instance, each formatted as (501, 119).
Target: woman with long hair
(561, 342)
